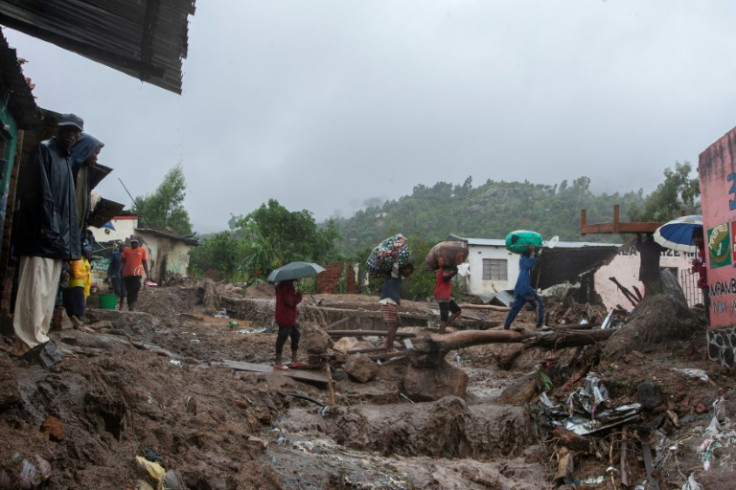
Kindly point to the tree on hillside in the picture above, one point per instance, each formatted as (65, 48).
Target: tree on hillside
(275, 236)
(222, 252)
(677, 193)
(163, 208)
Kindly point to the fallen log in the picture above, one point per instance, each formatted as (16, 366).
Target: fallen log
(556, 339)
(430, 350)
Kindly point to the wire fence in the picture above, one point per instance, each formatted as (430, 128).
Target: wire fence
(689, 285)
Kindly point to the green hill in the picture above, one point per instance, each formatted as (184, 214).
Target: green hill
(490, 210)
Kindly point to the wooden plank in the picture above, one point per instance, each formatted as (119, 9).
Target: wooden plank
(298, 374)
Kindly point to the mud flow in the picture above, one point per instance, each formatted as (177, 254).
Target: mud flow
(184, 395)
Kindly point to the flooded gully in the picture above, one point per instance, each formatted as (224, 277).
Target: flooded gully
(378, 438)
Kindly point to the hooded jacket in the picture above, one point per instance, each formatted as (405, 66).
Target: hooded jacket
(85, 146)
(46, 221)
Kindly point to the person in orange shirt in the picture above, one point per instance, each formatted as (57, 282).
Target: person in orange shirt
(133, 262)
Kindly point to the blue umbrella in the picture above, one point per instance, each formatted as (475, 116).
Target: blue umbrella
(678, 233)
(109, 226)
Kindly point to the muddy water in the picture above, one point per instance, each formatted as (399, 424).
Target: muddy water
(448, 444)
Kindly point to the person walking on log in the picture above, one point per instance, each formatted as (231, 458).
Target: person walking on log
(523, 291)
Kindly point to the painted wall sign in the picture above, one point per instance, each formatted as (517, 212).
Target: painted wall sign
(717, 172)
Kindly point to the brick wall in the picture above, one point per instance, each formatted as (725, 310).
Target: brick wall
(328, 282)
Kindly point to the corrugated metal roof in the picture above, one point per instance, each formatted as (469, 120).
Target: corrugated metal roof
(21, 103)
(163, 234)
(146, 39)
(495, 242)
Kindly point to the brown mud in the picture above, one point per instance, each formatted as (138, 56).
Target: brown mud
(152, 384)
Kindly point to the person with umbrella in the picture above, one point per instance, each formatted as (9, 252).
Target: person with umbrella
(287, 299)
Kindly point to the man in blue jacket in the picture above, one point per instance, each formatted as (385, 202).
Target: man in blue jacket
(523, 291)
(46, 233)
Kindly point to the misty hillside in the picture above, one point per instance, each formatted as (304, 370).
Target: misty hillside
(490, 210)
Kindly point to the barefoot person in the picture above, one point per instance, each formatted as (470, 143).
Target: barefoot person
(287, 299)
(443, 295)
(390, 298)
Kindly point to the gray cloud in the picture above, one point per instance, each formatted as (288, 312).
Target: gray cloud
(323, 105)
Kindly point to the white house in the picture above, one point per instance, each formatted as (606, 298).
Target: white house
(124, 227)
(168, 255)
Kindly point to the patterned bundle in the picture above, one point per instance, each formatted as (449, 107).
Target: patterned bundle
(380, 261)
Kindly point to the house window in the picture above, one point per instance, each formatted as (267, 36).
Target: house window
(495, 269)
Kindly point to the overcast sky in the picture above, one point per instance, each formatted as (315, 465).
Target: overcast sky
(323, 105)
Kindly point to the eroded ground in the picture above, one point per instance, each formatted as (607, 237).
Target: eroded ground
(153, 384)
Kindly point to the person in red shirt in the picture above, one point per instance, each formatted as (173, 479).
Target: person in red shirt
(287, 299)
(699, 267)
(443, 295)
(133, 262)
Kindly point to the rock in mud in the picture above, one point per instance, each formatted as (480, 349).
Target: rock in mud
(315, 340)
(53, 428)
(522, 390)
(429, 384)
(361, 367)
(650, 394)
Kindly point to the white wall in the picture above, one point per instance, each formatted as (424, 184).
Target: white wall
(625, 268)
(476, 254)
(124, 227)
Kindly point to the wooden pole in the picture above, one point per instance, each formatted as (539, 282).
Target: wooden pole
(330, 387)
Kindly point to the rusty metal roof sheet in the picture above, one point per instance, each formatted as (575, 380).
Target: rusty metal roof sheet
(146, 39)
(21, 103)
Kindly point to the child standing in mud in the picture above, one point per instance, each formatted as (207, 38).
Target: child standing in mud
(287, 299)
(80, 282)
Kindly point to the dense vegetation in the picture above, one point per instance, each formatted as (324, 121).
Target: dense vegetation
(271, 235)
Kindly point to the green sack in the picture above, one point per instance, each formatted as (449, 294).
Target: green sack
(518, 241)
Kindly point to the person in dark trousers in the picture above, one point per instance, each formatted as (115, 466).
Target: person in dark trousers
(443, 295)
(699, 267)
(523, 291)
(391, 299)
(649, 273)
(46, 233)
(133, 262)
(287, 300)
(113, 273)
